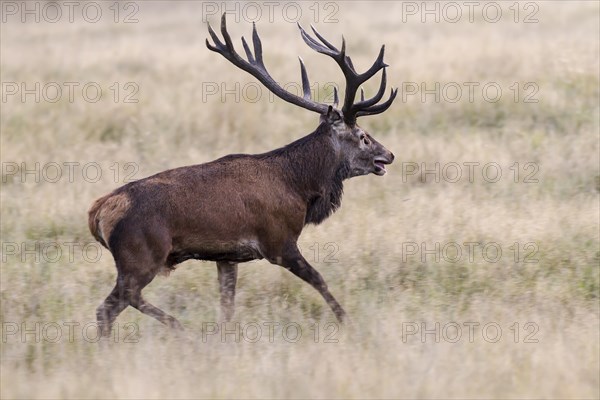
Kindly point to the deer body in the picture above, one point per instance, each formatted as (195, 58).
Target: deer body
(235, 209)
(232, 209)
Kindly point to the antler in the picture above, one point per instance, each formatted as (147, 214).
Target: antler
(350, 109)
(256, 67)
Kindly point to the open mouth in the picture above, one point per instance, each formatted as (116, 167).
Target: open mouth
(380, 164)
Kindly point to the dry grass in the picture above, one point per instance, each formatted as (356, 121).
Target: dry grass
(383, 289)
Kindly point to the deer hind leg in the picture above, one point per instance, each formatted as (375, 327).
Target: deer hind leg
(108, 311)
(128, 292)
(136, 269)
(135, 281)
(227, 281)
(294, 262)
(145, 307)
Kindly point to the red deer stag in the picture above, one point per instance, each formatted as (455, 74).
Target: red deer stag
(242, 207)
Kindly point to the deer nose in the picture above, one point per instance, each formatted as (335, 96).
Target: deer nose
(392, 158)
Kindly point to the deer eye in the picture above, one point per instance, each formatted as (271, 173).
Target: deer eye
(364, 138)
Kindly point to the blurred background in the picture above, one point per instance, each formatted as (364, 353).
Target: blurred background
(471, 270)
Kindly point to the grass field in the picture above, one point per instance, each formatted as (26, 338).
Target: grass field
(483, 285)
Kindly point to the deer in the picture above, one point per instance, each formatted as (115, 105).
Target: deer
(242, 207)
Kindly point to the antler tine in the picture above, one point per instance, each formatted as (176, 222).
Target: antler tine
(248, 52)
(225, 34)
(377, 65)
(343, 56)
(257, 46)
(316, 46)
(325, 42)
(373, 100)
(256, 67)
(305, 81)
(379, 108)
(336, 99)
(215, 39)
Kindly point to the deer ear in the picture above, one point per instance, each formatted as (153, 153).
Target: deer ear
(333, 116)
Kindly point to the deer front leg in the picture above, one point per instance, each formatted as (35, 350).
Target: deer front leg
(227, 280)
(293, 261)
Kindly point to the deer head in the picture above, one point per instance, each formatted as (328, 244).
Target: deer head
(356, 148)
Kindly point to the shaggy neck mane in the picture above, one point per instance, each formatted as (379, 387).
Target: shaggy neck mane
(314, 170)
